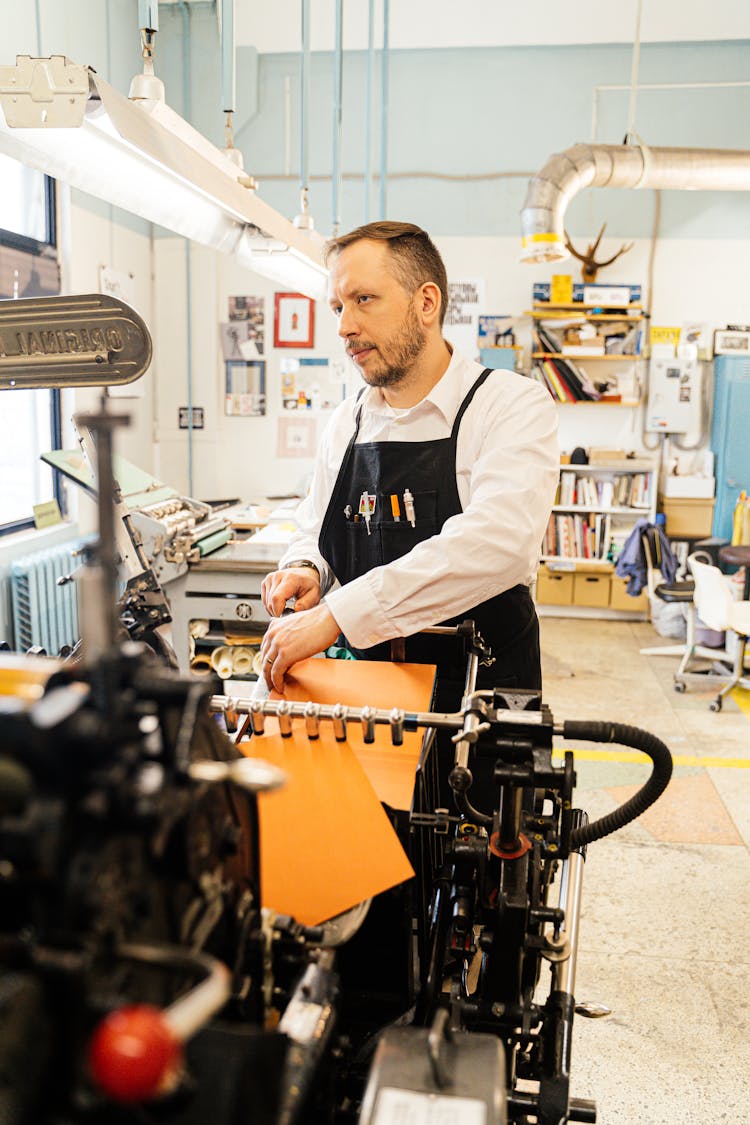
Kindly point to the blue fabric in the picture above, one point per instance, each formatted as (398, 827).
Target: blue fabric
(632, 561)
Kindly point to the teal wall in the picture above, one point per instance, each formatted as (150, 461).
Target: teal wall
(471, 112)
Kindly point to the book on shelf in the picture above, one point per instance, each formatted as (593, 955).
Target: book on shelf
(624, 490)
(578, 536)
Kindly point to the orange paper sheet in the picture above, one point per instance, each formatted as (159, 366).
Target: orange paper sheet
(357, 683)
(326, 842)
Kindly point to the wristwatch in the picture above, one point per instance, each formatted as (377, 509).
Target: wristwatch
(302, 562)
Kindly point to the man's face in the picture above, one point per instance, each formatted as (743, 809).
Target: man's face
(378, 319)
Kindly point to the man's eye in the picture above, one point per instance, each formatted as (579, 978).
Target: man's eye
(336, 310)
(363, 298)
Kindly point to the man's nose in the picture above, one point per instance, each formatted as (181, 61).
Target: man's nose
(348, 323)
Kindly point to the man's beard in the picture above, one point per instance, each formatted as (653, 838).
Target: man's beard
(397, 360)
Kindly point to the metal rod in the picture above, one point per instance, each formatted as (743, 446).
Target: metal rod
(368, 106)
(148, 15)
(384, 114)
(571, 885)
(304, 96)
(187, 109)
(228, 70)
(412, 720)
(338, 85)
(634, 70)
(106, 550)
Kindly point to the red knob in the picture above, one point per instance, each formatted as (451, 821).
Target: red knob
(132, 1053)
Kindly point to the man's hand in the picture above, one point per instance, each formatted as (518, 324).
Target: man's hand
(295, 637)
(299, 582)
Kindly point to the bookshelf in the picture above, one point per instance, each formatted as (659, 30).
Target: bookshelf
(596, 509)
(571, 341)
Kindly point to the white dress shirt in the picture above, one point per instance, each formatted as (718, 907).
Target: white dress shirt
(507, 466)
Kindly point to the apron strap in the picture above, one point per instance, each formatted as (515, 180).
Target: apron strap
(467, 402)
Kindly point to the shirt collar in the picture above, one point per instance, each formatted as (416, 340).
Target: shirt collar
(444, 396)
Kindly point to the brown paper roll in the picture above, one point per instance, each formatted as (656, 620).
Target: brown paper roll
(200, 665)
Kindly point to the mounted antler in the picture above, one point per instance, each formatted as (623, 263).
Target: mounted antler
(590, 266)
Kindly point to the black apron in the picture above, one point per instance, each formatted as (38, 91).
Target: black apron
(507, 622)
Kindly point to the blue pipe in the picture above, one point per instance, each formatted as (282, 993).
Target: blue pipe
(228, 73)
(304, 96)
(338, 81)
(368, 106)
(384, 117)
(148, 14)
(186, 110)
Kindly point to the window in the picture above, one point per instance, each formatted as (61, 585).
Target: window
(29, 419)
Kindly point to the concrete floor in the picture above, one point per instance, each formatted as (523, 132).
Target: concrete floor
(665, 932)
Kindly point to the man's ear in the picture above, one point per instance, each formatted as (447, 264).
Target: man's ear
(428, 303)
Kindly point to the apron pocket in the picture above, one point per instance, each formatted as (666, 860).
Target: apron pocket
(399, 538)
(363, 551)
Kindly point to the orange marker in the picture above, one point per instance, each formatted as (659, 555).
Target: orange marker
(395, 508)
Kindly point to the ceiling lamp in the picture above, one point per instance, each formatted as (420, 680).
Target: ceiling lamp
(66, 121)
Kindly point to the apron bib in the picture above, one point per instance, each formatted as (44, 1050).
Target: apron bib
(391, 472)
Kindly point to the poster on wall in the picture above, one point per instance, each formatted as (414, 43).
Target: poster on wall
(245, 390)
(121, 286)
(243, 335)
(296, 436)
(465, 299)
(310, 383)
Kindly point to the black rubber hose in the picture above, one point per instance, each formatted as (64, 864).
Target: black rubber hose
(638, 739)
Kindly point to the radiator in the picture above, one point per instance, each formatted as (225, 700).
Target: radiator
(44, 613)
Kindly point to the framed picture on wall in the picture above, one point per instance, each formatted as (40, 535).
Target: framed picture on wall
(245, 389)
(293, 321)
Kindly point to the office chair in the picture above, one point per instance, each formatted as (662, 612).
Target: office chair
(671, 592)
(718, 609)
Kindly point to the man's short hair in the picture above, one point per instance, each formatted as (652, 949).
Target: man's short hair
(416, 259)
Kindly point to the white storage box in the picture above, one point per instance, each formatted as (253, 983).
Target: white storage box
(690, 487)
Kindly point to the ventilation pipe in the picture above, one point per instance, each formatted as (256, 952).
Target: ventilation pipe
(619, 166)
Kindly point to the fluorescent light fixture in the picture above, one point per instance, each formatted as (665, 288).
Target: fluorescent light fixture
(140, 155)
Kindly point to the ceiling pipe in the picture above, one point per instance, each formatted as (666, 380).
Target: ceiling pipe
(618, 166)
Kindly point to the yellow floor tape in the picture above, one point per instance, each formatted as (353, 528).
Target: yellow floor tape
(638, 756)
(741, 697)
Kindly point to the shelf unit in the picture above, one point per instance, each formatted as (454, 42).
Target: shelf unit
(587, 528)
(564, 373)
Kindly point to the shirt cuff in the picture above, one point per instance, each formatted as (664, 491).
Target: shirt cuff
(314, 557)
(358, 614)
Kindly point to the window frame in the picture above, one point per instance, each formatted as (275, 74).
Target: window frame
(39, 249)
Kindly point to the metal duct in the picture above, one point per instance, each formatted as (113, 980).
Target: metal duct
(619, 166)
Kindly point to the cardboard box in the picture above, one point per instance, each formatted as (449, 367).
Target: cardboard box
(554, 587)
(591, 589)
(597, 454)
(688, 518)
(620, 599)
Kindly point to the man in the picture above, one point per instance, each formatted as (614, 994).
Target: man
(432, 487)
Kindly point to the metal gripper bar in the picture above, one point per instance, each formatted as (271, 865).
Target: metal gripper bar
(473, 719)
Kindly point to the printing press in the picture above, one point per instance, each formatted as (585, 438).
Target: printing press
(152, 833)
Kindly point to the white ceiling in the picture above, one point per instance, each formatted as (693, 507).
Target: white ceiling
(274, 25)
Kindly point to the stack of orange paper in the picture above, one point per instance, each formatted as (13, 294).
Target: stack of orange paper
(326, 842)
